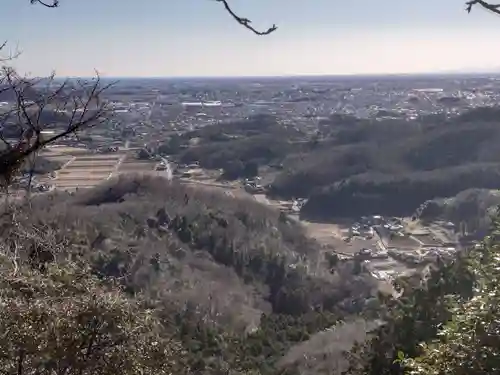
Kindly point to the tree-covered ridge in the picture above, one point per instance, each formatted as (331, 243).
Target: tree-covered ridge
(420, 161)
(472, 210)
(234, 283)
(353, 166)
(398, 194)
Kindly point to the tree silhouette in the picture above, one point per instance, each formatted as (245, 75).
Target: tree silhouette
(243, 21)
(495, 8)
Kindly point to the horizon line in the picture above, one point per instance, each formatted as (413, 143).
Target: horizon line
(284, 76)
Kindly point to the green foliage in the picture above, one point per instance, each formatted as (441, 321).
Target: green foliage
(446, 324)
(415, 317)
(470, 341)
(259, 350)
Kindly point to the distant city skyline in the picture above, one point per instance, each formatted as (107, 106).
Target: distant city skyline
(185, 38)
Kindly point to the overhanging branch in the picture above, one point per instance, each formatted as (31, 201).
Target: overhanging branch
(245, 22)
(48, 4)
(495, 8)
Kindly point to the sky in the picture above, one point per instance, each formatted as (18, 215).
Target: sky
(172, 38)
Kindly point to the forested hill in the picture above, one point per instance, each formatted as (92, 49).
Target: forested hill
(362, 165)
(210, 265)
(354, 163)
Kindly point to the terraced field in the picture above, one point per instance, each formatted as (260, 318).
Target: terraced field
(130, 165)
(84, 169)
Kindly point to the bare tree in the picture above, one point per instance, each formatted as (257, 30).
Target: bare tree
(41, 104)
(36, 105)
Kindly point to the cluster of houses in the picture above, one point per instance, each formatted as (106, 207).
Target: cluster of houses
(368, 224)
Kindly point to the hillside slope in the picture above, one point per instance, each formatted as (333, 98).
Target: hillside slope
(213, 264)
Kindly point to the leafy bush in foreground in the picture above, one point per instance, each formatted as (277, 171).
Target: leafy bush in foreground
(62, 320)
(469, 343)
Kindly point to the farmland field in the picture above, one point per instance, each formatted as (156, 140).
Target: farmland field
(82, 168)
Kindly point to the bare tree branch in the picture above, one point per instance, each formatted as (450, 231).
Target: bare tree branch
(67, 108)
(495, 8)
(48, 4)
(10, 56)
(245, 22)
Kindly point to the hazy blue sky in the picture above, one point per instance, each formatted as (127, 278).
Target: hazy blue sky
(196, 37)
